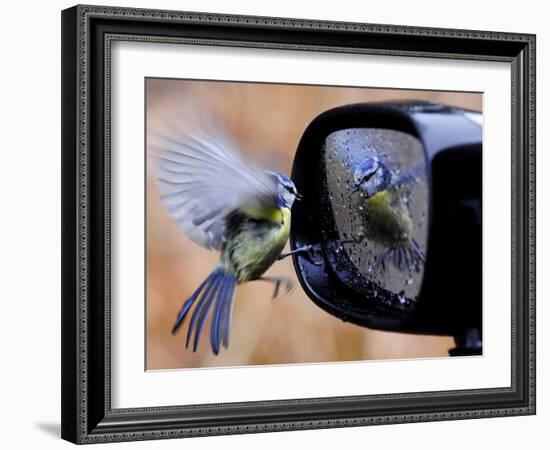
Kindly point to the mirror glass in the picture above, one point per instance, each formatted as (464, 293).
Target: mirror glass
(376, 180)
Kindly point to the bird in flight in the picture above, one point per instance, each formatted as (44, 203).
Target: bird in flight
(226, 204)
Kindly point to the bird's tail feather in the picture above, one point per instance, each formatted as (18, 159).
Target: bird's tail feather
(403, 257)
(217, 290)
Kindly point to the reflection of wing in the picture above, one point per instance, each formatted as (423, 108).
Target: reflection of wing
(412, 176)
(203, 178)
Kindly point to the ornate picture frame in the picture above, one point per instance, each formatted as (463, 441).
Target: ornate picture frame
(88, 33)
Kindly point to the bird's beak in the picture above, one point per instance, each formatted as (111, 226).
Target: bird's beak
(299, 196)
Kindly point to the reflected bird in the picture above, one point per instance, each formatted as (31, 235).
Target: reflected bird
(384, 211)
(224, 204)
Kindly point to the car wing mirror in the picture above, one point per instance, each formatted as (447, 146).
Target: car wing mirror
(392, 209)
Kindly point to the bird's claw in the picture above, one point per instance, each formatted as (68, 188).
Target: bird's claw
(309, 253)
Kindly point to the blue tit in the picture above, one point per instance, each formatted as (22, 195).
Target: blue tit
(384, 211)
(224, 204)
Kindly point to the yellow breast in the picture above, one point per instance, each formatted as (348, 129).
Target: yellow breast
(273, 215)
(256, 246)
(285, 222)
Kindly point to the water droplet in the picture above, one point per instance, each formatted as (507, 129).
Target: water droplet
(401, 297)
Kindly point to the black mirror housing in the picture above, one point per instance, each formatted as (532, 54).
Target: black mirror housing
(449, 295)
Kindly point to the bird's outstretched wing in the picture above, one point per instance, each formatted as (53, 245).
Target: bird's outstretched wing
(411, 176)
(203, 178)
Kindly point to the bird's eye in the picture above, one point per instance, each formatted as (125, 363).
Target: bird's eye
(367, 176)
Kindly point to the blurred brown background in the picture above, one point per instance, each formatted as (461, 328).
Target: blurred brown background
(267, 121)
